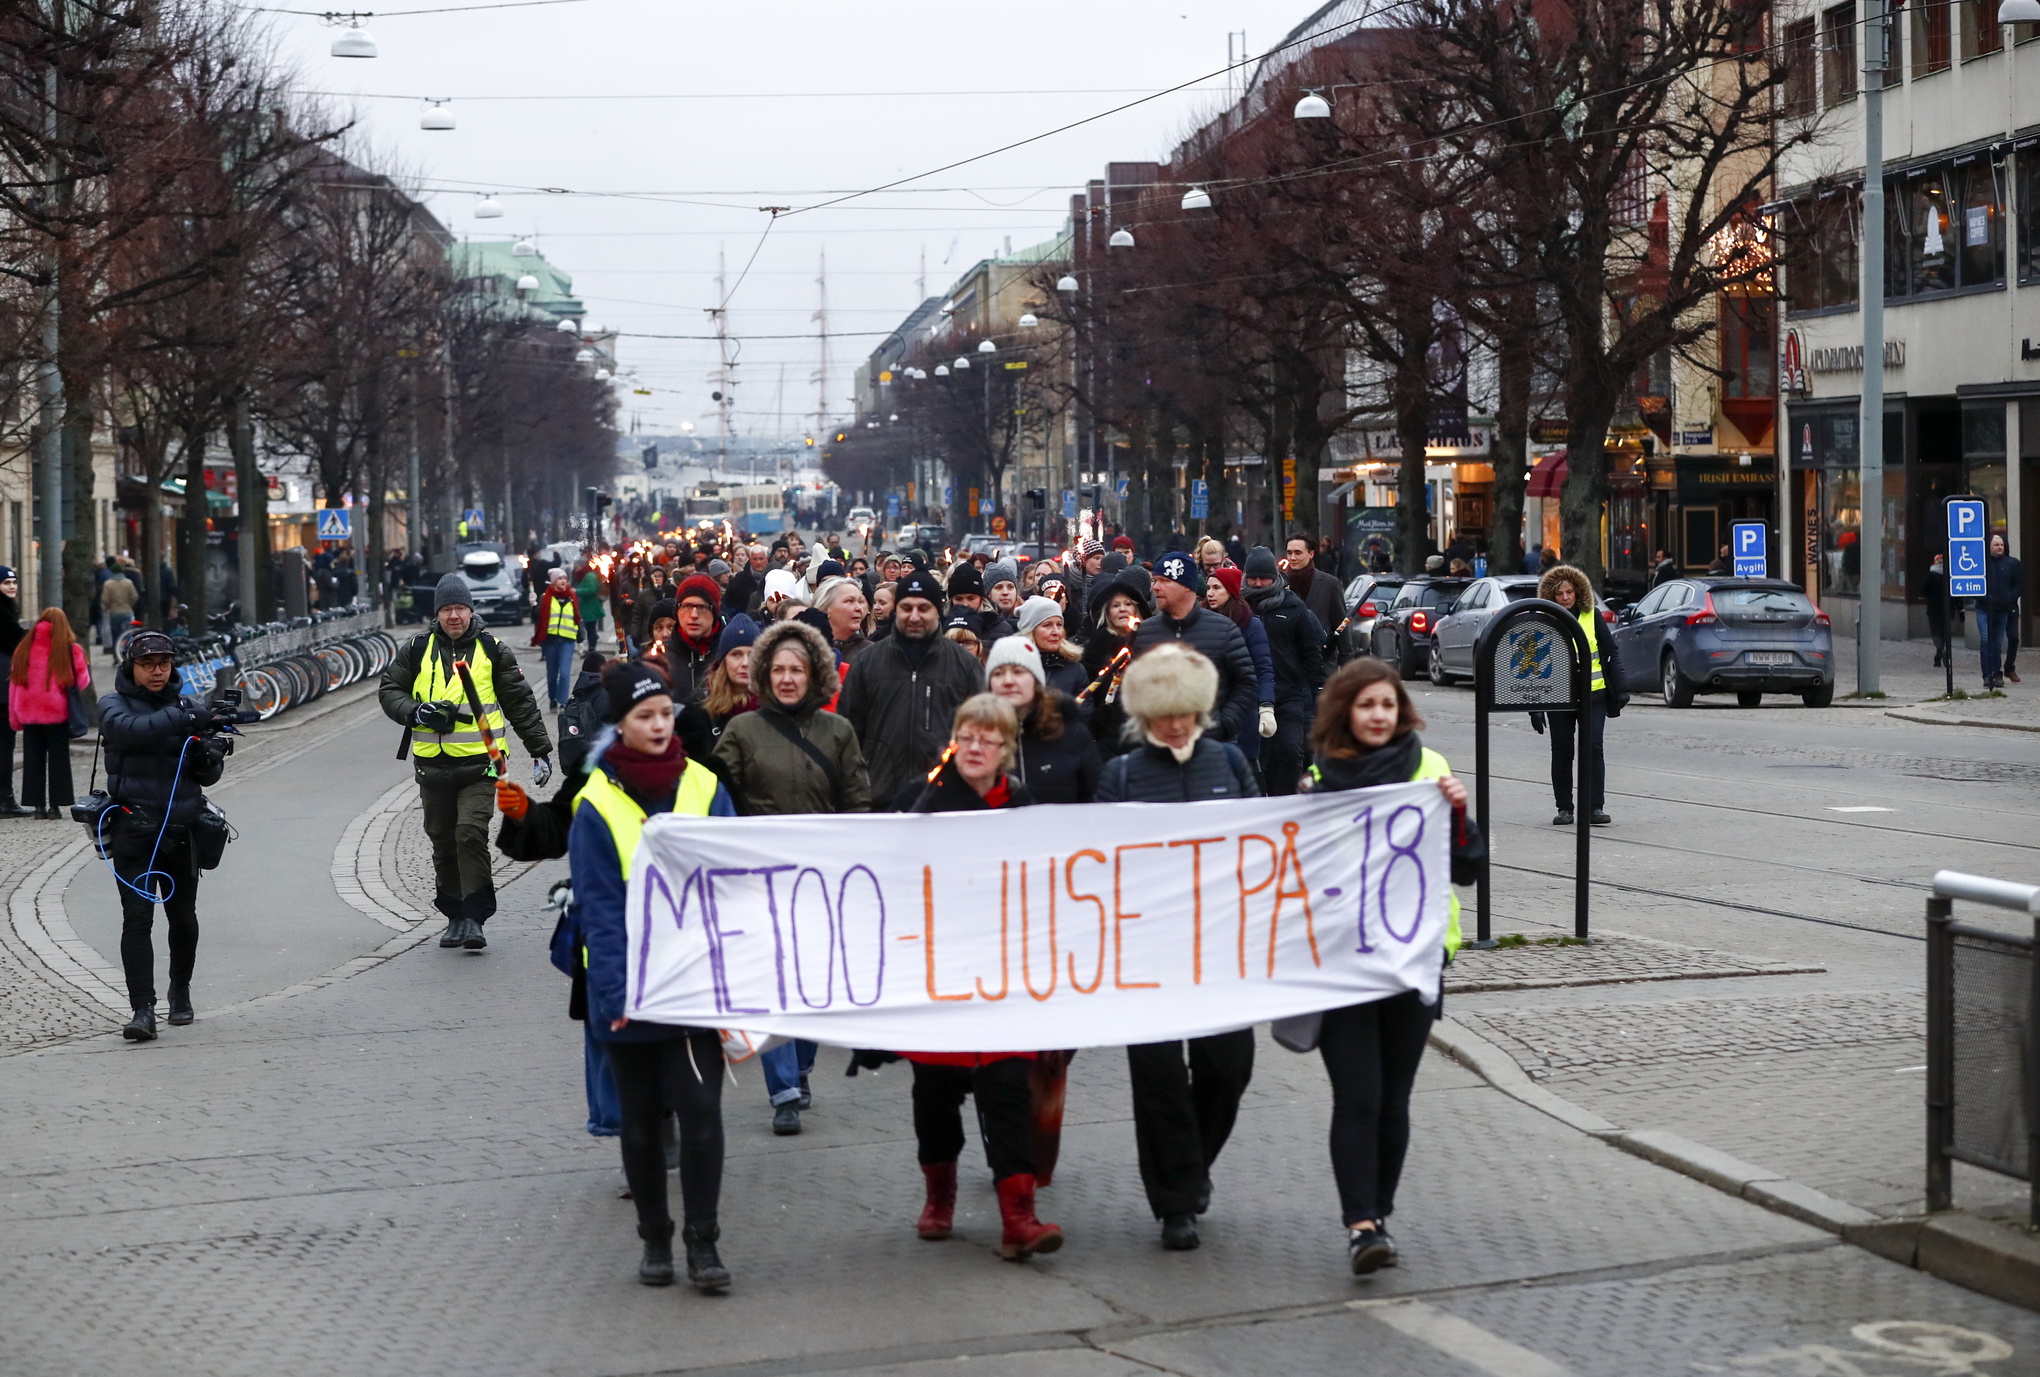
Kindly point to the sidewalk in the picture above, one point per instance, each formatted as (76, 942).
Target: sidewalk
(1915, 691)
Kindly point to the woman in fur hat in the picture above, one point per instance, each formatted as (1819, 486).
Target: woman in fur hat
(1568, 587)
(1182, 1114)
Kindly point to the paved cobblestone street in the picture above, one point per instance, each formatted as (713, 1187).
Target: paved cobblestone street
(386, 1171)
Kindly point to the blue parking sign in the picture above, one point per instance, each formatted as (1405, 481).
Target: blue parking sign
(1747, 545)
(1069, 504)
(1200, 499)
(1968, 534)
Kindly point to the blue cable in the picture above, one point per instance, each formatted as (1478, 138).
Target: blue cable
(154, 851)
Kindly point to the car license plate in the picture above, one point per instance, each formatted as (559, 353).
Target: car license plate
(1771, 657)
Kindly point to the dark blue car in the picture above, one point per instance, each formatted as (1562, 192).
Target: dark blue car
(1748, 637)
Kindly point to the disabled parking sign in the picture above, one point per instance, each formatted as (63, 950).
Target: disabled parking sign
(1968, 534)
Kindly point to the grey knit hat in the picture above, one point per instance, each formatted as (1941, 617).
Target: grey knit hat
(1001, 571)
(452, 591)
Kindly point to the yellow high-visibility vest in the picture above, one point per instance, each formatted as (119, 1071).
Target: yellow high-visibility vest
(1590, 622)
(626, 821)
(566, 618)
(437, 683)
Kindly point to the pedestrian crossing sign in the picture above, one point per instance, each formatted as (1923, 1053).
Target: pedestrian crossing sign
(335, 524)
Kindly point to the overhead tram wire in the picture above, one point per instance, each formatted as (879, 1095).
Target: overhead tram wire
(400, 14)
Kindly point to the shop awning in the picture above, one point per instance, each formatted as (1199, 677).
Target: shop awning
(213, 497)
(1548, 478)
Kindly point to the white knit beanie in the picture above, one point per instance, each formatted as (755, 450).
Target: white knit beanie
(1017, 650)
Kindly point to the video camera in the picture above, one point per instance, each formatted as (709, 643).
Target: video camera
(220, 728)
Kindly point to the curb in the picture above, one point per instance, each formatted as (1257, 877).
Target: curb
(1935, 719)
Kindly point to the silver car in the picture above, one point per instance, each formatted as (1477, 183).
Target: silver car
(1456, 632)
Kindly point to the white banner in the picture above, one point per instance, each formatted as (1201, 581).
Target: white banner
(1056, 926)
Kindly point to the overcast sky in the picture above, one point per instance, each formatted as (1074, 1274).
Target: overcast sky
(674, 120)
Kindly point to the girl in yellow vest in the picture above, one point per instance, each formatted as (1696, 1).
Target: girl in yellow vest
(1366, 735)
(641, 770)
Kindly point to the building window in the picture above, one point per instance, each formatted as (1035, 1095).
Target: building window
(1947, 229)
(1749, 333)
(1929, 37)
(1838, 74)
(1980, 33)
(1799, 50)
(2026, 171)
(1821, 267)
(1975, 188)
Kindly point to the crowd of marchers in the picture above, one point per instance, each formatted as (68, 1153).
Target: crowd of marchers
(741, 679)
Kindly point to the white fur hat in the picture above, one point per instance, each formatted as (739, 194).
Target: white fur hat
(1016, 650)
(1169, 679)
(782, 583)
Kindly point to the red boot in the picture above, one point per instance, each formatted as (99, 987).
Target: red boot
(938, 1216)
(1024, 1234)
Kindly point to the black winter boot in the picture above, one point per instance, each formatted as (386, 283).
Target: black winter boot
(477, 909)
(656, 1268)
(456, 925)
(142, 1027)
(180, 1004)
(704, 1264)
(10, 808)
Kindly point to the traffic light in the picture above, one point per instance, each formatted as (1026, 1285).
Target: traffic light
(1092, 495)
(1037, 498)
(650, 456)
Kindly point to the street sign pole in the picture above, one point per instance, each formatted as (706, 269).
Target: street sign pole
(1968, 549)
(1532, 657)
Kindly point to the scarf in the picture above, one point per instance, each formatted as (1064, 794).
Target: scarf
(649, 779)
(1237, 609)
(1266, 600)
(1392, 763)
(1299, 579)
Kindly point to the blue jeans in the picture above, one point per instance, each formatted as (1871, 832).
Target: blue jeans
(1994, 629)
(559, 668)
(605, 1111)
(784, 1066)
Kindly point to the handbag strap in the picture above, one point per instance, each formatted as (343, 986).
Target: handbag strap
(814, 752)
(98, 738)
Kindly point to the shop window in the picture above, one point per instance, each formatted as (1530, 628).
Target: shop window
(1838, 54)
(1946, 231)
(1819, 234)
(1841, 565)
(1980, 33)
(1930, 46)
(1840, 66)
(1749, 359)
(1800, 81)
(2026, 181)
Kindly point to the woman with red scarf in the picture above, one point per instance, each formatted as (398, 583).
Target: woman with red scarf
(975, 775)
(660, 1068)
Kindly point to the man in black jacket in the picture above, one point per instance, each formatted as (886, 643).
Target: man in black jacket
(1179, 597)
(160, 756)
(2003, 582)
(422, 692)
(1296, 640)
(904, 690)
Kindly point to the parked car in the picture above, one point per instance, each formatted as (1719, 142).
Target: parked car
(1453, 635)
(1748, 637)
(861, 521)
(496, 591)
(1402, 634)
(1367, 596)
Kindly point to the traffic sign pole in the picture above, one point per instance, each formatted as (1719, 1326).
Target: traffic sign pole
(1968, 549)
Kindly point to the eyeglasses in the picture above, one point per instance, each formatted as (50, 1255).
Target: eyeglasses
(982, 741)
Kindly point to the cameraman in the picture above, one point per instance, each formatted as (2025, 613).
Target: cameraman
(421, 691)
(162, 750)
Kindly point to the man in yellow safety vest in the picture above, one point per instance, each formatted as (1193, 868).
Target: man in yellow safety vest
(422, 692)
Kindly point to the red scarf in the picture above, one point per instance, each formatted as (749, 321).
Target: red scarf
(650, 779)
(999, 794)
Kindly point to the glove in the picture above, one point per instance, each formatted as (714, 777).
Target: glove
(433, 717)
(1267, 720)
(511, 800)
(868, 1058)
(541, 770)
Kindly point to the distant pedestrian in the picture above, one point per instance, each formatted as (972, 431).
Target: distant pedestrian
(1533, 560)
(10, 637)
(1934, 591)
(556, 631)
(47, 668)
(117, 599)
(2003, 577)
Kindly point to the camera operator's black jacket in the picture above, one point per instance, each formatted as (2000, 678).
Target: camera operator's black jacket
(144, 734)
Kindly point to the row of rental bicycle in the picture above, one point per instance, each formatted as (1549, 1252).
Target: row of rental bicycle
(284, 665)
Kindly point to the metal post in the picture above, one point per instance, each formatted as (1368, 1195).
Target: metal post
(1940, 1052)
(1483, 691)
(2032, 1087)
(1582, 867)
(252, 543)
(1870, 451)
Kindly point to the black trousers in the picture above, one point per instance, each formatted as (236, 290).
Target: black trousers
(653, 1080)
(1562, 764)
(1005, 1111)
(6, 755)
(1371, 1052)
(1183, 1111)
(1283, 754)
(46, 765)
(177, 872)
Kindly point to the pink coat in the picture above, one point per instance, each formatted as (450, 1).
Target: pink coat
(40, 703)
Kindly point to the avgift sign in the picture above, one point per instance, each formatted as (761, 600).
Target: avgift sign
(1077, 926)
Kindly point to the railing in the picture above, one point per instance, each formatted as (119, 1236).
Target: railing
(1983, 1064)
(281, 665)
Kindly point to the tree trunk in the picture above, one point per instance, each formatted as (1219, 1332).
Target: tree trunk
(191, 573)
(1411, 391)
(1509, 447)
(1590, 404)
(81, 539)
(154, 453)
(254, 521)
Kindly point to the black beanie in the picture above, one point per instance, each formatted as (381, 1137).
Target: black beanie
(965, 578)
(921, 584)
(1261, 563)
(629, 683)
